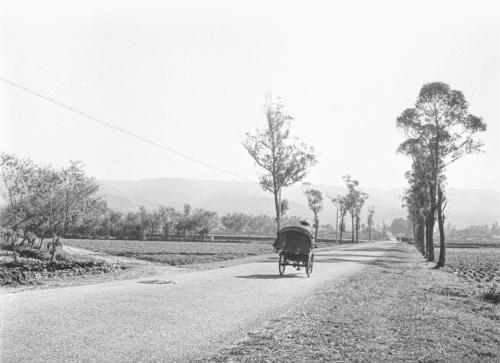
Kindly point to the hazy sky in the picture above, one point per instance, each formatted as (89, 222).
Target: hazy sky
(194, 78)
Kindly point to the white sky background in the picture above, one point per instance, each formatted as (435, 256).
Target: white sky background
(194, 79)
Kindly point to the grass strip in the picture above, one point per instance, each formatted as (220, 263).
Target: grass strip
(391, 312)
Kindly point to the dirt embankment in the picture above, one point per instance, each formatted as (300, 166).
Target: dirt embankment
(34, 267)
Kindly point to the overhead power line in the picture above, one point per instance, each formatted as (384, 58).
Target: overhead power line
(123, 131)
(119, 129)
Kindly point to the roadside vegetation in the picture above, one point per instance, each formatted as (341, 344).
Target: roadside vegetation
(438, 131)
(283, 158)
(397, 309)
(44, 207)
(352, 203)
(35, 267)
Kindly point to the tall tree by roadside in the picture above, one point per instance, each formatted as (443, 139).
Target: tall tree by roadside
(360, 202)
(417, 202)
(440, 124)
(284, 159)
(355, 199)
(342, 204)
(369, 222)
(315, 203)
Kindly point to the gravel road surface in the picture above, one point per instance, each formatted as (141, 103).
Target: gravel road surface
(177, 316)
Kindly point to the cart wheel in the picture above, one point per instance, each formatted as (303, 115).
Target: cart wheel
(309, 265)
(282, 264)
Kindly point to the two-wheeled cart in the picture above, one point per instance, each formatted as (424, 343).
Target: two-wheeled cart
(295, 247)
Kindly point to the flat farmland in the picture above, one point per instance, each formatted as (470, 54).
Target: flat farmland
(174, 253)
(474, 242)
(481, 265)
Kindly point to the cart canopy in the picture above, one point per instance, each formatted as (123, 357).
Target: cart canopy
(294, 239)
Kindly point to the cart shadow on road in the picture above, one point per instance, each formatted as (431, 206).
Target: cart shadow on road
(354, 255)
(270, 276)
(365, 262)
(371, 249)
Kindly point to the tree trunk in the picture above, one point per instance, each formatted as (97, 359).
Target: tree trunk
(430, 238)
(341, 229)
(41, 241)
(357, 229)
(277, 203)
(13, 245)
(442, 244)
(434, 189)
(424, 245)
(53, 252)
(352, 228)
(337, 225)
(420, 235)
(369, 234)
(316, 226)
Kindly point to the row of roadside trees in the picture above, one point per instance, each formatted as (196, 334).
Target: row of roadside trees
(352, 203)
(438, 130)
(45, 204)
(349, 204)
(286, 161)
(56, 203)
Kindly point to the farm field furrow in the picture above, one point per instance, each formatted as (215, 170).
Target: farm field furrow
(174, 253)
(481, 265)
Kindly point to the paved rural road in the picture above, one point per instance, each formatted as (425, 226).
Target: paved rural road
(137, 320)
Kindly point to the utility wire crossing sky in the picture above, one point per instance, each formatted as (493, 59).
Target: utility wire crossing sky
(110, 125)
(195, 77)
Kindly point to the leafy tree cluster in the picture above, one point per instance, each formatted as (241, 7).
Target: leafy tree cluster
(479, 230)
(167, 222)
(51, 204)
(352, 203)
(401, 226)
(439, 130)
(44, 200)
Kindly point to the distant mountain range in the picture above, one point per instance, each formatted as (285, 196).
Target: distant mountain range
(465, 206)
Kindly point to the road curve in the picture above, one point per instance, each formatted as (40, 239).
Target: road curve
(174, 317)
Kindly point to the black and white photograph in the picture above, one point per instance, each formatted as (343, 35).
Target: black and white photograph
(250, 181)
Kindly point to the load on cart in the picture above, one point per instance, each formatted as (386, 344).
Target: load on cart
(295, 247)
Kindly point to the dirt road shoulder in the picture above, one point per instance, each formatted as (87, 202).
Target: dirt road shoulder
(396, 309)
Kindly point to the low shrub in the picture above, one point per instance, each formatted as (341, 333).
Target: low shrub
(34, 266)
